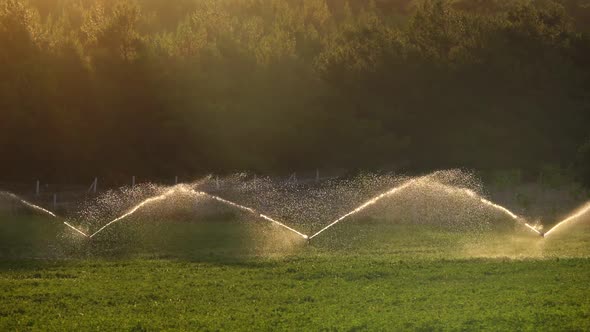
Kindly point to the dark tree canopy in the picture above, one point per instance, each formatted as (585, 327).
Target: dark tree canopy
(156, 88)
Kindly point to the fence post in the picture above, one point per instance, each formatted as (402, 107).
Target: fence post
(95, 184)
(37, 189)
(133, 181)
(176, 179)
(293, 178)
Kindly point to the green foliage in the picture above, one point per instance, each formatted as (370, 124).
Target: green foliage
(326, 292)
(118, 87)
(153, 274)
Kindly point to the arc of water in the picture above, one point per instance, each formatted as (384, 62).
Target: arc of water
(36, 207)
(448, 188)
(137, 207)
(511, 214)
(254, 212)
(375, 200)
(198, 193)
(41, 209)
(75, 229)
(365, 205)
(304, 236)
(585, 209)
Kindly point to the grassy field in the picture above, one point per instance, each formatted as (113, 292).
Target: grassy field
(222, 276)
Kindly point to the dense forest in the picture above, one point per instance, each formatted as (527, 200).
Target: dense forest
(155, 88)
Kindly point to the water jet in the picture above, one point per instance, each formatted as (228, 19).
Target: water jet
(445, 186)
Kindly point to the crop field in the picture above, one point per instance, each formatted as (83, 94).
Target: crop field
(284, 165)
(225, 275)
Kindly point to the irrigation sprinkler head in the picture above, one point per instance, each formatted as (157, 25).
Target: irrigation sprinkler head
(542, 234)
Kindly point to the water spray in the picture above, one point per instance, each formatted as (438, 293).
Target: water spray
(179, 189)
(44, 211)
(186, 189)
(582, 211)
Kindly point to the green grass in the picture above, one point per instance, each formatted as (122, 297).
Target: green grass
(360, 276)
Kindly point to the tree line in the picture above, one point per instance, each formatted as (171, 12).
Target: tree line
(153, 88)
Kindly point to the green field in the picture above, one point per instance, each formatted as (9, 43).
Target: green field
(222, 276)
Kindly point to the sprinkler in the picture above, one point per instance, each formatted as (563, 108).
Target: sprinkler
(542, 234)
(307, 239)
